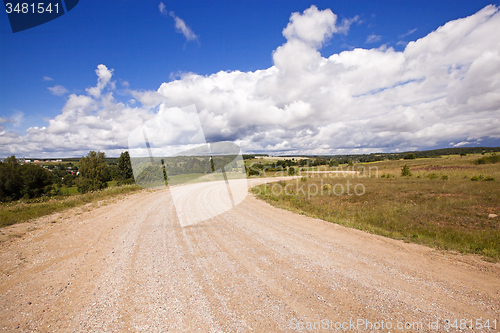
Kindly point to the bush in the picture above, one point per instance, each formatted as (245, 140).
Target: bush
(410, 156)
(487, 160)
(253, 172)
(481, 177)
(333, 163)
(405, 171)
(69, 179)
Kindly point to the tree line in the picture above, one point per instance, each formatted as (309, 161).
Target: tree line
(26, 181)
(155, 172)
(373, 157)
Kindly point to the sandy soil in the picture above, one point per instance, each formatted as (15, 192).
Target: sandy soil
(128, 265)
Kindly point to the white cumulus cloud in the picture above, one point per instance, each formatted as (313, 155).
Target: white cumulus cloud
(104, 76)
(442, 89)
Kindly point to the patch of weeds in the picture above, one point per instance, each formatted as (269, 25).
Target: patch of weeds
(433, 176)
(481, 177)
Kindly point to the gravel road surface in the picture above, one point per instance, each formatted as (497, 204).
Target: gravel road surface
(127, 265)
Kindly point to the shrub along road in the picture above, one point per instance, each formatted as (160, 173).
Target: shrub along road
(130, 266)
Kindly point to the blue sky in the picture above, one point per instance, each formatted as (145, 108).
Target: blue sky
(142, 49)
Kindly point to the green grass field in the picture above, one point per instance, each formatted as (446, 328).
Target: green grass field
(445, 203)
(73, 190)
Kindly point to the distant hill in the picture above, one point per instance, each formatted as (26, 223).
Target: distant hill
(396, 156)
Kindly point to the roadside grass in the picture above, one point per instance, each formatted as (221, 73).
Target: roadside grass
(438, 206)
(24, 210)
(112, 183)
(183, 178)
(73, 190)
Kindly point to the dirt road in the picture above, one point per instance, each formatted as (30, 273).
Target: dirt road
(128, 265)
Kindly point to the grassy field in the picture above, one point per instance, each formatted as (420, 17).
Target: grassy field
(21, 211)
(73, 190)
(445, 203)
(271, 159)
(181, 179)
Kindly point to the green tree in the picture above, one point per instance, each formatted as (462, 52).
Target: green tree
(36, 181)
(405, 171)
(333, 163)
(94, 172)
(18, 181)
(12, 160)
(125, 166)
(410, 156)
(11, 180)
(291, 171)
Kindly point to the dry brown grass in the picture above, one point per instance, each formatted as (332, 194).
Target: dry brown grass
(439, 205)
